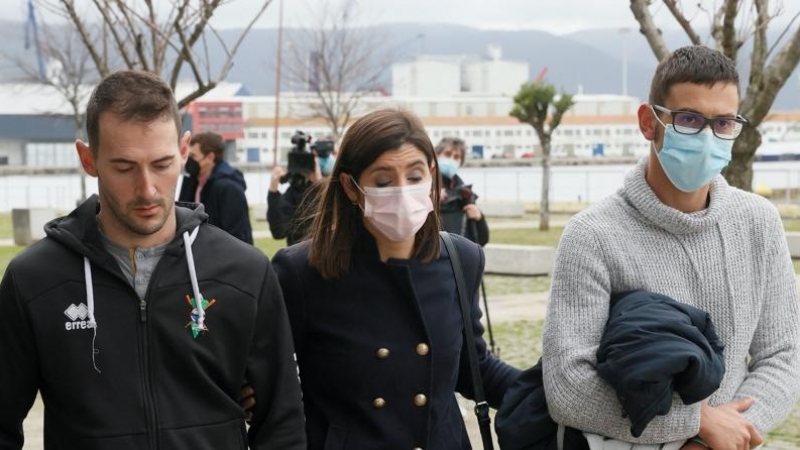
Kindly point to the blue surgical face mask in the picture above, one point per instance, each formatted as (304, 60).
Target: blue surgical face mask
(326, 164)
(448, 167)
(692, 160)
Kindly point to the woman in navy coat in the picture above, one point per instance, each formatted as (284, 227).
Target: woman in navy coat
(373, 303)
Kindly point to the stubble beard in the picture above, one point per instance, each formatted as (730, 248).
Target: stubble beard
(129, 222)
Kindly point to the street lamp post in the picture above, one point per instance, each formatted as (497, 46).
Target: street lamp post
(624, 32)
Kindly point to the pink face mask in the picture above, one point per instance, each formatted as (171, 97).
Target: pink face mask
(397, 212)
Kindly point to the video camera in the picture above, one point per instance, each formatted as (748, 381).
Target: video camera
(465, 195)
(301, 159)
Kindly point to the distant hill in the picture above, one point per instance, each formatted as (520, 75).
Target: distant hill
(589, 60)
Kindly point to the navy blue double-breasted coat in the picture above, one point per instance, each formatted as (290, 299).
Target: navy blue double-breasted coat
(380, 349)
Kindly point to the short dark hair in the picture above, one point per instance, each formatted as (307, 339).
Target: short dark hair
(692, 64)
(209, 143)
(333, 231)
(133, 95)
(454, 143)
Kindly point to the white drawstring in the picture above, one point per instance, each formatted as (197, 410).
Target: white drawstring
(198, 298)
(87, 272)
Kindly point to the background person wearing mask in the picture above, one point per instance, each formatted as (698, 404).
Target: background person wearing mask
(219, 187)
(457, 207)
(373, 303)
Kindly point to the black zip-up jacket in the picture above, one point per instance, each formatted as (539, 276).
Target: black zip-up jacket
(157, 386)
(224, 199)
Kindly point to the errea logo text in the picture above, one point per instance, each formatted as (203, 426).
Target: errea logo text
(77, 316)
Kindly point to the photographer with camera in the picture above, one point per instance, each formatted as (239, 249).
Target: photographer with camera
(457, 207)
(308, 163)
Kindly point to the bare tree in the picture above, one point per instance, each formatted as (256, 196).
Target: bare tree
(337, 62)
(732, 23)
(62, 64)
(534, 103)
(163, 38)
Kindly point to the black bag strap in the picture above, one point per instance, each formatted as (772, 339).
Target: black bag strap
(481, 407)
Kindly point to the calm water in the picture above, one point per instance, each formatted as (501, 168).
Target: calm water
(568, 184)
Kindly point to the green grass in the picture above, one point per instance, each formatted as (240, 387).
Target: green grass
(520, 342)
(515, 285)
(6, 254)
(6, 227)
(269, 246)
(525, 236)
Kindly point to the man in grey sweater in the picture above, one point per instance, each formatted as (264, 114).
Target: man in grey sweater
(677, 228)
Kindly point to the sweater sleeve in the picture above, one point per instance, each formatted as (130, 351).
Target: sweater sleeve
(773, 379)
(576, 317)
(278, 419)
(19, 378)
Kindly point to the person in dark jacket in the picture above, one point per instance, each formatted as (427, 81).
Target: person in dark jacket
(285, 210)
(288, 212)
(136, 320)
(459, 213)
(219, 187)
(373, 303)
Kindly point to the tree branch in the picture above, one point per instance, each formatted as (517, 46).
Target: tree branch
(228, 64)
(86, 39)
(759, 97)
(730, 45)
(188, 42)
(648, 28)
(672, 5)
(759, 57)
(783, 33)
(104, 9)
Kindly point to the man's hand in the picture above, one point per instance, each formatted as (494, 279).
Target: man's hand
(473, 213)
(247, 400)
(277, 173)
(724, 427)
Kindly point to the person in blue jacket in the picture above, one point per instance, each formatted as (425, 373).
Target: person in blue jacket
(373, 304)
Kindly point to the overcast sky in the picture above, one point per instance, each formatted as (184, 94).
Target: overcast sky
(555, 16)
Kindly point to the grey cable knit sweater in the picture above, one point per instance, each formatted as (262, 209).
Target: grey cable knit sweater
(730, 260)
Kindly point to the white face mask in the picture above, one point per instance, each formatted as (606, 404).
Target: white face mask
(397, 212)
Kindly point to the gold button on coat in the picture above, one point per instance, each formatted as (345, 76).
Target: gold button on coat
(423, 349)
(378, 403)
(417, 448)
(420, 400)
(382, 353)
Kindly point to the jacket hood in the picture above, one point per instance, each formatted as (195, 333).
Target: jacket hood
(79, 230)
(223, 170)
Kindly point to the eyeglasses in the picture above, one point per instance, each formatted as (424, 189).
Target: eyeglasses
(686, 122)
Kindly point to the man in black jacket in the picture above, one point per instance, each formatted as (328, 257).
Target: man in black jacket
(218, 186)
(136, 320)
